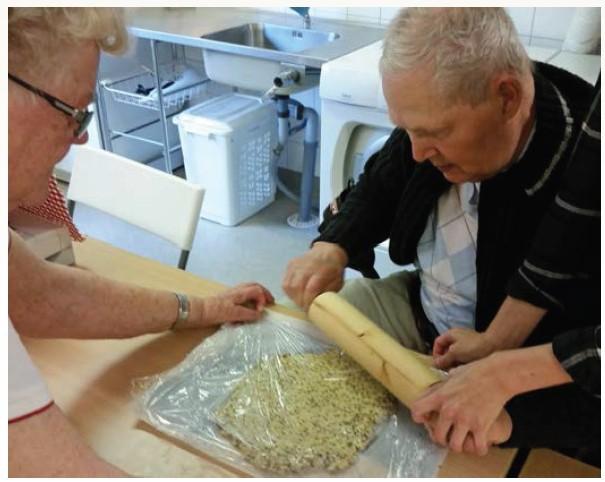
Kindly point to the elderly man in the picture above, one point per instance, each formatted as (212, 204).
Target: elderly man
(53, 54)
(561, 262)
(482, 141)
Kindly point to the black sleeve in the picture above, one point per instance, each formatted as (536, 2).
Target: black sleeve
(564, 256)
(566, 416)
(579, 352)
(366, 216)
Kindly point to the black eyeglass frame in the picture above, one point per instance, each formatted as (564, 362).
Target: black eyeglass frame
(81, 116)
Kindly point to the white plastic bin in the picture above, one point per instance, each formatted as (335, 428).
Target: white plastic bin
(227, 144)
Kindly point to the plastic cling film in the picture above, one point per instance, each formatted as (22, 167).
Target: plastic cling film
(199, 401)
(308, 411)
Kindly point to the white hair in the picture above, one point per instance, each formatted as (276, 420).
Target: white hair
(37, 36)
(464, 47)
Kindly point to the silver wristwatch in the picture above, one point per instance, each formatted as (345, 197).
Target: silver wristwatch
(183, 313)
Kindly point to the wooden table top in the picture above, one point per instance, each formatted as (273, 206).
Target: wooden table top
(91, 380)
(546, 463)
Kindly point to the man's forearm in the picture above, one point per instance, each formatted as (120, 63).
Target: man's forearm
(513, 323)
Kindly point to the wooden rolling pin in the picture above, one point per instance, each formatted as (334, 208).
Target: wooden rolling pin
(404, 372)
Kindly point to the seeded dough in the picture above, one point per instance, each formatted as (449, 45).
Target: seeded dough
(297, 412)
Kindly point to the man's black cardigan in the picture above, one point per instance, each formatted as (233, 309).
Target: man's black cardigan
(393, 200)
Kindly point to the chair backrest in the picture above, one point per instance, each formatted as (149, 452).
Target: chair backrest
(155, 201)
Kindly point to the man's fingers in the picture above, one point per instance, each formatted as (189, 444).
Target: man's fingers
(317, 285)
(294, 286)
(442, 343)
(445, 361)
(288, 285)
(312, 289)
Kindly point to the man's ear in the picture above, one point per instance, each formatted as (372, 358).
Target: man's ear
(508, 90)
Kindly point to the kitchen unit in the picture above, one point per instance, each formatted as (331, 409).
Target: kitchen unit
(171, 41)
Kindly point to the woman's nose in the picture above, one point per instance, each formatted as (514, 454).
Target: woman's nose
(83, 139)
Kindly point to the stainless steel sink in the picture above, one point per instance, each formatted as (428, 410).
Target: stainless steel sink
(251, 55)
(273, 37)
(254, 34)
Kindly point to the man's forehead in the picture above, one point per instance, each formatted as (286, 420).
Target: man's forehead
(420, 126)
(419, 115)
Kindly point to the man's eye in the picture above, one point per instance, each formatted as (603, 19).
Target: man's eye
(418, 135)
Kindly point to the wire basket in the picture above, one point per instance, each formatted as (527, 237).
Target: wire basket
(182, 80)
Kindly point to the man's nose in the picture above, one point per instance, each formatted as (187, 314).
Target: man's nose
(422, 150)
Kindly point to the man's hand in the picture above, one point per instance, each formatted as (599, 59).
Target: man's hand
(461, 345)
(498, 433)
(468, 403)
(319, 270)
(244, 302)
(511, 326)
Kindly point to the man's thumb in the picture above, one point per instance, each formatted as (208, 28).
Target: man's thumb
(446, 360)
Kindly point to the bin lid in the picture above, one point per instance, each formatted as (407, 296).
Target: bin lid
(219, 115)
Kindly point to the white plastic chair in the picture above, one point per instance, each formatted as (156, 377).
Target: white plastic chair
(159, 203)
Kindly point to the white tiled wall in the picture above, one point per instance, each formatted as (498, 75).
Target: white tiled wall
(538, 26)
(550, 25)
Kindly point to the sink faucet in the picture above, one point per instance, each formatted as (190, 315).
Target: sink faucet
(304, 13)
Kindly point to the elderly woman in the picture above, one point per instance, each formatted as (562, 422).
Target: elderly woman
(52, 64)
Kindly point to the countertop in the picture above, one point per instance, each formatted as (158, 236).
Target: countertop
(185, 26)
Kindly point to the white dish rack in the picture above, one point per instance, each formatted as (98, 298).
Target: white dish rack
(124, 89)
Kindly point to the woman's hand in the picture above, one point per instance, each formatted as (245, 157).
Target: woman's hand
(244, 302)
(499, 432)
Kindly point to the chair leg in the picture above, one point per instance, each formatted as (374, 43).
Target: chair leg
(183, 259)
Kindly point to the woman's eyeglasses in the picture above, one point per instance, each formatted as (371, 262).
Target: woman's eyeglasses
(81, 116)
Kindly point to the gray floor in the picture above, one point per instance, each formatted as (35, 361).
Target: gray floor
(256, 250)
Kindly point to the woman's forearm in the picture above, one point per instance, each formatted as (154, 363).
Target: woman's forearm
(50, 300)
(526, 369)
(513, 323)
